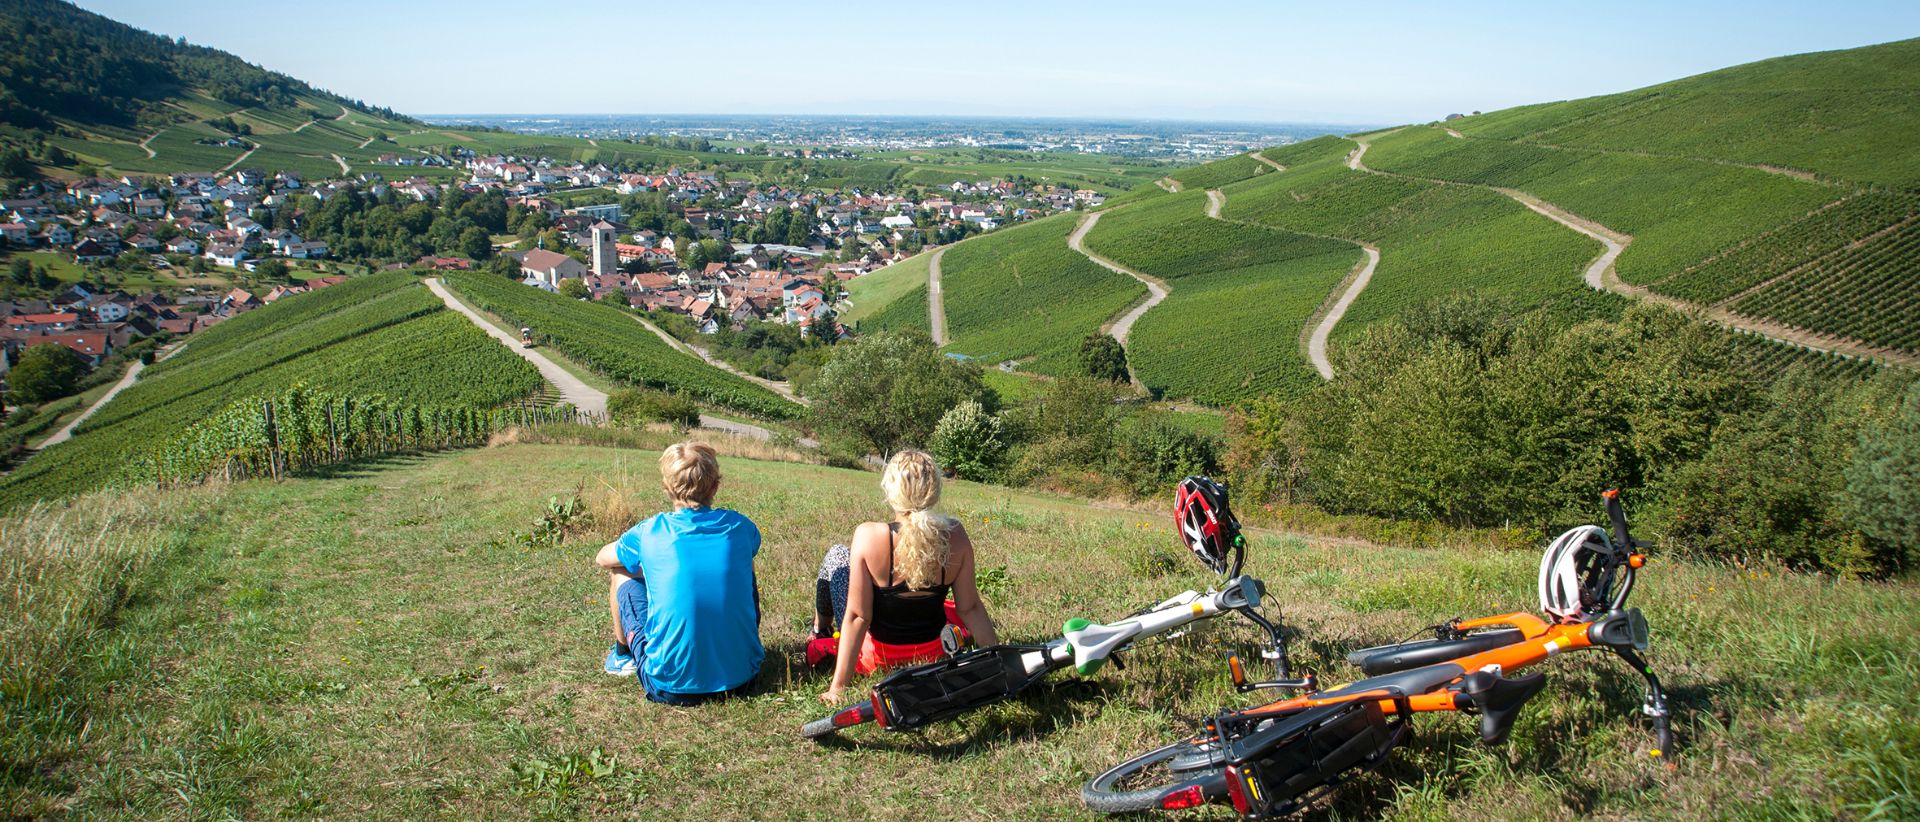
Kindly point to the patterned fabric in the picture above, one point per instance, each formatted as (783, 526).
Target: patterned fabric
(833, 582)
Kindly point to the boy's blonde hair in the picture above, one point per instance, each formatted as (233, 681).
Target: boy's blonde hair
(690, 473)
(912, 485)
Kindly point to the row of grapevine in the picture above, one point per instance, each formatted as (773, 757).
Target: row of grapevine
(438, 359)
(610, 341)
(1869, 293)
(247, 329)
(302, 429)
(1783, 249)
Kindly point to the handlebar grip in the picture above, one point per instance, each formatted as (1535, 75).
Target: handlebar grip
(1662, 737)
(1619, 516)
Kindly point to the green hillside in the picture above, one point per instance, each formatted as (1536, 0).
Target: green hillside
(381, 646)
(1848, 115)
(1022, 294)
(100, 90)
(377, 335)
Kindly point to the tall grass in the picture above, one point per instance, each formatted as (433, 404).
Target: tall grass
(65, 569)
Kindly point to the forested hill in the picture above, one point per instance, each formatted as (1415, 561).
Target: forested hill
(60, 63)
(1846, 115)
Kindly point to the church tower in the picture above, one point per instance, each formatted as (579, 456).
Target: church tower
(605, 260)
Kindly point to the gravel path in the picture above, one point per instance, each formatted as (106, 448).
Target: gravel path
(66, 433)
(936, 304)
(1156, 288)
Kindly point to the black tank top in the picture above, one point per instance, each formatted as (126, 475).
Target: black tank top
(903, 616)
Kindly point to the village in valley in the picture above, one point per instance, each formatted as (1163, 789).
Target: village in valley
(166, 256)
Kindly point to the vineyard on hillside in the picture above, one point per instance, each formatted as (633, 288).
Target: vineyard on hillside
(1869, 292)
(401, 344)
(612, 342)
(1022, 293)
(1220, 172)
(1434, 239)
(1235, 288)
(1226, 336)
(1823, 234)
(1679, 212)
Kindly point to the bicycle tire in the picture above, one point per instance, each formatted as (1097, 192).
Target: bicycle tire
(1205, 767)
(824, 727)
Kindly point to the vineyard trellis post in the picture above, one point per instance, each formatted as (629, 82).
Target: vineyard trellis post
(273, 441)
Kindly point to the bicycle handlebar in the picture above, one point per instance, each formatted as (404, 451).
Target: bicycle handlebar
(1093, 643)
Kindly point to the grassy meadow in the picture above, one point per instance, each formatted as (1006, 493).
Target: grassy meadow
(385, 642)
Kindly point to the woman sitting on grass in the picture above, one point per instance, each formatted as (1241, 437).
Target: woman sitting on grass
(685, 603)
(898, 576)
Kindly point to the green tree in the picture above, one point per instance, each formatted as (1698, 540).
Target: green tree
(575, 289)
(1883, 483)
(616, 298)
(968, 441)
(475, 244)
(888, 391)
(1102, 357)
(271, 271)
(46, 372)
(21, 271)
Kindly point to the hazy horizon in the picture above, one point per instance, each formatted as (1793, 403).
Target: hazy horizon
(1228, 62)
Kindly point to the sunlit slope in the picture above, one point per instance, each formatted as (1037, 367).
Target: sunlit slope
(1022, 294)
(1434, 239)
(1239, 296)
(1849, 115)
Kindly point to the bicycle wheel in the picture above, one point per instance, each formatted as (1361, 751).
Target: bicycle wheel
(856, 714)
(1181, 775)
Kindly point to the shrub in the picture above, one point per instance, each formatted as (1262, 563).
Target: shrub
(1153, 452)
(888, 391)
(968, 442)
(1102, 357)
(637, 406)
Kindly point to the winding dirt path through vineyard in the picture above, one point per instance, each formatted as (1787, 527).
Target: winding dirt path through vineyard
(66, 432)
(1157, 289)
(1262, 158)
(572, 389)
(1601, 275)
(936, 303)
(691, 350)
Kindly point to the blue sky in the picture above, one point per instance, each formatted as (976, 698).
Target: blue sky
(1344, 63)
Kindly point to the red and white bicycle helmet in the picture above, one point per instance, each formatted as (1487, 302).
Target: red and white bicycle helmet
(1206, 523)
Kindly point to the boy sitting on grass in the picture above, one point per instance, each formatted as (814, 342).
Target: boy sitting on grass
(685, 603)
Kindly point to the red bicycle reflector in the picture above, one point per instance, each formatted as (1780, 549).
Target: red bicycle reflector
(848, 717)
(1187, 797)
(1237, 790)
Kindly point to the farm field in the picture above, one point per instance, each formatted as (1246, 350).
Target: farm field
(299, 663)
(1022, 294)
(611, 342)
(874, 291)
(397, 340)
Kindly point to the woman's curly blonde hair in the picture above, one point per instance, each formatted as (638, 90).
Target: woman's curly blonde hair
(912, 485)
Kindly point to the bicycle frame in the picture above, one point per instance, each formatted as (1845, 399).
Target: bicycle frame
(915, 697)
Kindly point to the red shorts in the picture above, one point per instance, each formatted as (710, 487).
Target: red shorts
(875, 655)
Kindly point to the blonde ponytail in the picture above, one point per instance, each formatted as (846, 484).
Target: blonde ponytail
(912, 486)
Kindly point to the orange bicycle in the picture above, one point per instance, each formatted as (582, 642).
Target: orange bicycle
(1277, 758)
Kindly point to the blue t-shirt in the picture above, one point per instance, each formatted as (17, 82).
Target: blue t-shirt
(703, 617)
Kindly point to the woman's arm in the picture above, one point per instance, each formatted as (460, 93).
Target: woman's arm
(859, 615)
(966, 593)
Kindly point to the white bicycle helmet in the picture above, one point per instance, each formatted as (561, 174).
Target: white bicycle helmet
(1575, 561)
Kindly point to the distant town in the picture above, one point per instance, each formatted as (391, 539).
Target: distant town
(860, 136)
(715, 248)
